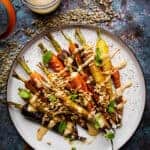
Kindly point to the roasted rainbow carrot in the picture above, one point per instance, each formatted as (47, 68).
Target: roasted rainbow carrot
(106, 63)
(95, 71)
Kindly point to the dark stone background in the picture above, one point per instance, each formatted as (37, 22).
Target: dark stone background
(133, 30)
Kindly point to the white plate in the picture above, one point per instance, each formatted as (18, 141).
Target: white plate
(135, 95)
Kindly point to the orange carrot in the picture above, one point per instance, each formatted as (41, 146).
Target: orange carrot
(116, 78)
(57, 65)
(72, 48)
(90, 106)
(35, 75)
(79, 83)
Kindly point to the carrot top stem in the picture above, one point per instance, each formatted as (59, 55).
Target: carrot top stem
(44, 69)
(80, 36)
(54, 43)
(17, 76)
(24, 65)
(98, 33)
(67, 37)
(9, 103)
(16, 105)
(43, 49)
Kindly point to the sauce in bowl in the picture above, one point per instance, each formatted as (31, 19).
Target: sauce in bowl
(42, 6)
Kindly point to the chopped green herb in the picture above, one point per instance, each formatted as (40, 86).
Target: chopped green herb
(73, 148)
(97, 122)
(52, 98)
(111, 109)
(47, 57)
(111, 106)
(73, 96)
(24, 93)
(112, 103)
(62, 126)
(110, 135)
(98, 57)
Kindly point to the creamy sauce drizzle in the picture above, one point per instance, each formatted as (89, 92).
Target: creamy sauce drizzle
(77, 50)
(86, 63)
(120, 90)
(120, 66)
(114, 53)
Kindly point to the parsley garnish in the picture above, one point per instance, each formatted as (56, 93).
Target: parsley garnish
(62, 126)
(110, 135)
(96, 122)
(47, 57)
(111, 106)
(24, 93)
(73, 96)
(52, 98)
(98, 57)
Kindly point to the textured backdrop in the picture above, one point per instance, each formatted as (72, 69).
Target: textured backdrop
(130, 20)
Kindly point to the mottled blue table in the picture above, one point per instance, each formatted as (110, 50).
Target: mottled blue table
(133, 30)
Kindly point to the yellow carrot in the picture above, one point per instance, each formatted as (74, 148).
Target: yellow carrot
(95, 71)
(106, 63)
(102, 45)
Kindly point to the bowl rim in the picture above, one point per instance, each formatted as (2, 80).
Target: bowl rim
(50, 4)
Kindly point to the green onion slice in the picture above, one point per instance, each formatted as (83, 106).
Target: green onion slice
(24, 93)
(98, 57)
(62, 126)
(110, 135)
(47, 57)
(73, 96)
(111, 106)
(52, 98)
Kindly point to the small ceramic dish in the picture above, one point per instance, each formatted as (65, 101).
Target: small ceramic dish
(42, 9)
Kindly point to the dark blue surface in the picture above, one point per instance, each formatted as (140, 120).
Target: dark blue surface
(133, 30)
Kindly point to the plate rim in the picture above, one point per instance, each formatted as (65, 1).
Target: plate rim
(68, 26)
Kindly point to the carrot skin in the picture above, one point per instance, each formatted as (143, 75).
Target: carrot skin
(116, 78)
(79, 83)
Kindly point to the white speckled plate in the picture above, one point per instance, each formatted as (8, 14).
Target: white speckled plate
(135, 95)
